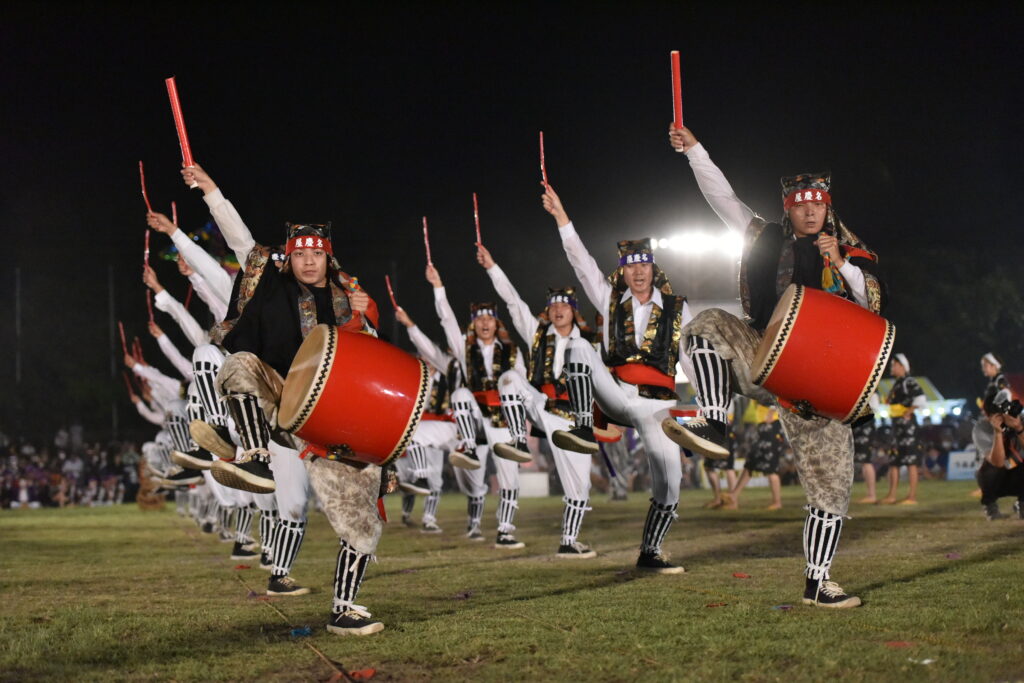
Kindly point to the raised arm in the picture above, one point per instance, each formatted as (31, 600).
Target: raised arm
(587, 272)
(218, 308)
(165, 302)
(236, 233)
(180, 363)
(522, 319)
(430, 351)
(711, 181)
(147, 413)
(196, 256)
(452, 333)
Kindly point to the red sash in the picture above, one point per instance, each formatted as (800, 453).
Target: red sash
(427, 417)
(488, 398)
(549, 391)
(636, 373)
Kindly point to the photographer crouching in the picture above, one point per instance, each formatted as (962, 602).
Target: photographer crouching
(1001, 474)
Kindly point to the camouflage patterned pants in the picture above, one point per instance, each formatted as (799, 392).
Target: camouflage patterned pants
(823, 447)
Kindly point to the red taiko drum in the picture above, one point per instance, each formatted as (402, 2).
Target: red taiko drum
(822, 354)
(354, 395)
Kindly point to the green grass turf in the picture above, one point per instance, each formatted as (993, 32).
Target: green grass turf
(122, 594)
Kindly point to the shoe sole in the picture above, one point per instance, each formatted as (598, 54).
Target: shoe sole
(296, 592)
(687, 439)
(510, 546)
(187, 461)
(475, 539)
(662, 570)
(367, 630)
(233, 477)
(179, 483)
(243, 557)
(576, 556)
(570, 442)
(460, 460)
(852, 601)
(503, 450)
(207, 437)
(412, 488)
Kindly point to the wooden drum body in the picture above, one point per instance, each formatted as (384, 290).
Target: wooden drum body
(354, 395)
(822, 354)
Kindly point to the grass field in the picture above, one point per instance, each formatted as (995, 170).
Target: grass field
(121, 594)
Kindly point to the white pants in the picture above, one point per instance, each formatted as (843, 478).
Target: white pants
(291, 482)
(573, 468)
(507, 470)
(622, 403)
(435, 463)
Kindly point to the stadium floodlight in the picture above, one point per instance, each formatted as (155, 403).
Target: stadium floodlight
(728, 243)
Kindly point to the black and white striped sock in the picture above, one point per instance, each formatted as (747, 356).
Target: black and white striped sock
(243, 525)
(515, 415)
(508, 502)
(581, 393)
(268, 527)
(249, 420)
(408, 503)
(659, 519)
(572, 519)
(430, 507)
(348, 576)
(205, 374)
(713, 382)
(821, 538)
(224, 514)
(287, 541)
(474, 510)
(418, 459)
(177, 427)
(463, 413)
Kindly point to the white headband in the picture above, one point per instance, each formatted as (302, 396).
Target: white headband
(992, 359)
(903, 361)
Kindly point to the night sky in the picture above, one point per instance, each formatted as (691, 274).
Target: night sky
(373, 116)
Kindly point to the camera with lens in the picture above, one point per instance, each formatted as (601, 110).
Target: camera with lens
(1007, 407)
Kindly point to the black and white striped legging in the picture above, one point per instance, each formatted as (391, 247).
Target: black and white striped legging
(714, 390)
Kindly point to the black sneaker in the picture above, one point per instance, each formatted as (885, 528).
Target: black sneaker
(206, 527)
(355, 621)
(465, 458)
(474, 534)
(697, 435)
(420, 487)
(186, 477)
(214, 438)
(578, 440)
(265, 561)
(828, 594)
(515, 450)
(285, 585)
(199, 459)
(407, 520)
(430, 528)
(575, 551)
(240, 552)
(508, 542)
(254, 476)
(992, 511)
(657, 563)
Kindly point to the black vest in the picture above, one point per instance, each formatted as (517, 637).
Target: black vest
(504, 359)
(660, 348)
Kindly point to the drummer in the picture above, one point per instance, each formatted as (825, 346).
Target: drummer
(262, 339)
(809, 247)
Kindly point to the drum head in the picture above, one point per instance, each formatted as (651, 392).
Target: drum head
(301, 381)
(779, 327)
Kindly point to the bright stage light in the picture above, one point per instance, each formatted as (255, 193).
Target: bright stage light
(698, 242)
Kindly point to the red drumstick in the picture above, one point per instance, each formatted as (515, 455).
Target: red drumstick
(137, 349)
(128, 383)
(188, 296)
(149, 302)
(145, 252)
(142, 180)
(426, 241)
(124, 343)
(179, 123)
(677, 90)
(543, 167)
(476, 219)
(391, 292)
(174, 213)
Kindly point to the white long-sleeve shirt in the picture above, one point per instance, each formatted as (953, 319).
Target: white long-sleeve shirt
(737, 215)
(430, 351)
(236, 233)
(195, 333)
(180, 363)
(525, 322)
(457, 340)
(165, 390)
(215, 279)
(218, 307)
(599, 291)
(149, 414)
